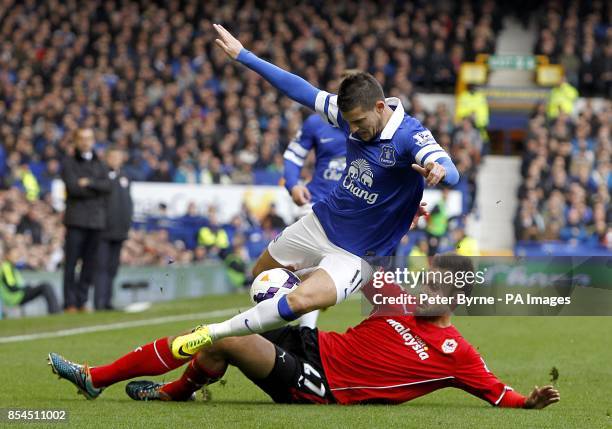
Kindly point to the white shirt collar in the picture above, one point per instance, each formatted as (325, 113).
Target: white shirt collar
(395, 120)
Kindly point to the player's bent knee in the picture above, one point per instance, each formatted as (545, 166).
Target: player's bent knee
(318, 291)
(228, 347)
(219, 349)
(304, 300)
(296, 303)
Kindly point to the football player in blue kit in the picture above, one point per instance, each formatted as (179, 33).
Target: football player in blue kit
(388, 153)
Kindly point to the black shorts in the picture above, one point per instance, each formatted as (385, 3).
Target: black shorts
(297, 376)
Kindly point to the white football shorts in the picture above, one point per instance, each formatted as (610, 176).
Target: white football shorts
(304, 244)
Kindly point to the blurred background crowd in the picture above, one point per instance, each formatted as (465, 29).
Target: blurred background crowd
(578, 36)
(565, 193)
(147, 78)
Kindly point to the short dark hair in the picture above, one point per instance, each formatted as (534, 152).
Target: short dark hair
(359, 89)
(451, 261)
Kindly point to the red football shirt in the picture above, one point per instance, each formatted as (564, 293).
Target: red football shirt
(393, 359)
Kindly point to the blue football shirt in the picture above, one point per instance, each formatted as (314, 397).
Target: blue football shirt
(379, 193)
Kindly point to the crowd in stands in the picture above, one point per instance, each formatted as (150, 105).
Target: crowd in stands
(35, 231)
(567, 179)
(146, 76)
(578, 35)
(33, 228)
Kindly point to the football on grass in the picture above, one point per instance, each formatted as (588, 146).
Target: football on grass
(272, 282)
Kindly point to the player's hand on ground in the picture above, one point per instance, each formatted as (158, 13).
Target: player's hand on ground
(542, 397)
(422, 211)
(300, 195)
(433, 172)
(227, 42)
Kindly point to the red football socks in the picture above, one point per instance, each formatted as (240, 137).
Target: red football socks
(151, 359)
(193, 379)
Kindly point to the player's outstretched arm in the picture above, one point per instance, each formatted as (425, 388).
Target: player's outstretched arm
(289, 84)
(473, 376)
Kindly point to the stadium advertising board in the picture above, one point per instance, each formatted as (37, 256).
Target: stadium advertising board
(228, 199)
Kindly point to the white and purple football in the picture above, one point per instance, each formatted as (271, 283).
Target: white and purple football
(272, 282)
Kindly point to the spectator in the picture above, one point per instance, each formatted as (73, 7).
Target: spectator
(213, 174)
(441, 66)
(275, 220)
(437, 223)
(574, 231)
(26, 181)
(119, 209)
(472, 103)
(51, 173)
(29, 225)
(87, 185)
(468, 139)
(214, 238)
(162, 172)
(199, 254)
(15, 292)
(185, 173)
(418, 256)
(464, 244)
(192, 218)
(604, 70)
(562, 99)
(236, 262)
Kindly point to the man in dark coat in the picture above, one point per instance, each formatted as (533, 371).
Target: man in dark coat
(118, 221)
(87, 184)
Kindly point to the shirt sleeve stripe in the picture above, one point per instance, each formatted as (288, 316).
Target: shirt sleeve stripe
(434, 156)
(424, 151)
(506, 388)
(332, 110)
(297, 149)
(290, 156)
(320, 102)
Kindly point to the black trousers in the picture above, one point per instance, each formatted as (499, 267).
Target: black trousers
(109, 252)
(81, 243)
(46, 291)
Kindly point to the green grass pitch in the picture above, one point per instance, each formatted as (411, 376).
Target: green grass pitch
(520, 350)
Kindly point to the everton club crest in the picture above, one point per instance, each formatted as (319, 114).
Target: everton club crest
(387, 155)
